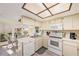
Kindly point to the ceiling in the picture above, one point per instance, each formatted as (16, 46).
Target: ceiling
(12, 12)
(45, 10)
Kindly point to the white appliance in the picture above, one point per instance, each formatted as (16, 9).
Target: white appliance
(56, 34)
(57, 26)
(55, 42)
(28, 45)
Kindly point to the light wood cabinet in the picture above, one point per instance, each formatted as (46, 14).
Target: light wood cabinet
(26, 20)
(38, 43)
(76, 22)
(45, 41)
(67, 23)
(71, 22)
(69, 48)
(45, 26)
(36, 23)
(59, 20)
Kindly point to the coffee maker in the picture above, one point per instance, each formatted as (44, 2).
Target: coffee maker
(73, 35)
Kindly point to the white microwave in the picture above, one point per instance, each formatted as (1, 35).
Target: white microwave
(56, 34)
(56, 26)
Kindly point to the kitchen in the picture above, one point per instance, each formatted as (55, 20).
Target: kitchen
(26, 30)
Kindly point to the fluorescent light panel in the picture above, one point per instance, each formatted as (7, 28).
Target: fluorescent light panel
(60, 8)
(40, 10)
(50, 4)
(45, 14)
(34, 7)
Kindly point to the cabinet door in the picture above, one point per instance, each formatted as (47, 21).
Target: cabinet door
(51, 24)
(69, 49)
(28, 49)
(45, 42)
(76, 22)
(67, 23)
(45, 25)
(38, 43)
(59, 20)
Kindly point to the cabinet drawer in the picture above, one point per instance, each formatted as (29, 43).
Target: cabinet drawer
(69, 49)
(73, 44)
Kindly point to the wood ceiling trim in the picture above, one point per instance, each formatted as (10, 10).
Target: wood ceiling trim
(61, 12)
(70, 6)
(53, 5)
(30, 11)
(47, 9)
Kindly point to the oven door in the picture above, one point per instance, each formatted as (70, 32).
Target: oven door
(55, 43)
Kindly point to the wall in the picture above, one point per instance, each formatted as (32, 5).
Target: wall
(71, 23)
(67, 20)
(30, 24)
(8, 26)
(46, 25)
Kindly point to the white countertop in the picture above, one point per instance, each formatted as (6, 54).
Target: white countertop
(71, 40)
(3, 43)
(25, 39)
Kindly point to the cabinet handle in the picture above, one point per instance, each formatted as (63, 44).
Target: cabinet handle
(22, 49)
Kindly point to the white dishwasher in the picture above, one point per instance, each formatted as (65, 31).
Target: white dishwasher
(28, 46)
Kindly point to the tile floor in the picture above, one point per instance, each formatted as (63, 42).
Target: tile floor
(41, 52)
(44, 52)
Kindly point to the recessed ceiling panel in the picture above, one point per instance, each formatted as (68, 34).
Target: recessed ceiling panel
(50, 4)
(34, 7)
(60, 8)
(43, 10)
(45, 14)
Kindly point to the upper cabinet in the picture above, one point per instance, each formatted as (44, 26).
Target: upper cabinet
(27, 21)
(57, 21)
(45, 25)
(76, 22)
(56, 24)
(30, 22)
(67, 23)
(37, 23)
(71, 22)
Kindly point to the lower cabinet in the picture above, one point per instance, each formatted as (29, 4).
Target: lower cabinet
(28, 49)
(45, 41)
(27, 46)
(69, 48)
(38, 43)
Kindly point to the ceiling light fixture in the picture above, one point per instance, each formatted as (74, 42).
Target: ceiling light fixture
(45, 10)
